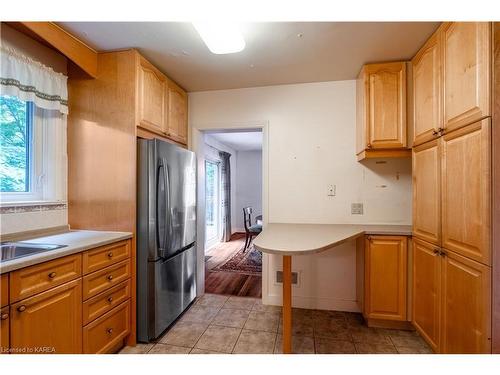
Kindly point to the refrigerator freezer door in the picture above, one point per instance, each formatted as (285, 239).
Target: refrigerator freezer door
(174, 289)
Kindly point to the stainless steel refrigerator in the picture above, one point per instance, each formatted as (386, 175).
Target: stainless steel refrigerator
(166, 235)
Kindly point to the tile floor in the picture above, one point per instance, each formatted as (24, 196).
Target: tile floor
(228, 324)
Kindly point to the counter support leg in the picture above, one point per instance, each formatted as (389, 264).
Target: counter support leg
(287, 304)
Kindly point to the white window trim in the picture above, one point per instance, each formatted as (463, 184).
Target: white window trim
(210, 242)
(48, 175)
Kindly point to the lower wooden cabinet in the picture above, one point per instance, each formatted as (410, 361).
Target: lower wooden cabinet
(4, 330)
(426, 288)
(49, 322)
(385, 265)
(466, 305)
(451, 300)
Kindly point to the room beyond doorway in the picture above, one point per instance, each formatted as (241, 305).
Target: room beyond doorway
(233, 186)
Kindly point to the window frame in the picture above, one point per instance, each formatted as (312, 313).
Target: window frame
(44, 162)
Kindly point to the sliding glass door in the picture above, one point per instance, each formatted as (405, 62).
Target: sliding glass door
(213, 203)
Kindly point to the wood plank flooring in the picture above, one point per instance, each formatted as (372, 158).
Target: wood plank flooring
(229, 283)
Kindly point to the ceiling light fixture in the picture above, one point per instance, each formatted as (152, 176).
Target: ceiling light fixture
(221, 37)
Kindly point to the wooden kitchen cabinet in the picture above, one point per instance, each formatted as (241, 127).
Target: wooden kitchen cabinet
(427, 91)
(381, 110)
(426, 290)
(4, 330)
(177, 113)
(466, 305)
(50, 321)
(4, 290)
(467, 72)
(466, 202)
(427, 191)
(385, 278)
(151, 97)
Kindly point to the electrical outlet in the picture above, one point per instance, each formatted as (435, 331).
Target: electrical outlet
(279, 277)
(332, 190)
(356, 208)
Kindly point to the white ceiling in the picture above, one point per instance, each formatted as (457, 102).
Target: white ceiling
(240, 141)
(274, 53)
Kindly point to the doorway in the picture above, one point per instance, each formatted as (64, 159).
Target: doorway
(233, 181)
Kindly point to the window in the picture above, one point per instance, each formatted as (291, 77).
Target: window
(212, 203)
(32, 153)
(16, 129)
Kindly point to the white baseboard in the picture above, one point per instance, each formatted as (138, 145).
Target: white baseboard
(315, 303)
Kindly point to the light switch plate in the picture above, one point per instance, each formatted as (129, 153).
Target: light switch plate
(356, 208)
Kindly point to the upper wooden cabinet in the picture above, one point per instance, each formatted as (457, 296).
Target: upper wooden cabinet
(151, 93)
(466, 70)
(427, 91)
(177, 113)
(466, 309)
(162, 104)
(385, 277)
(466, 202)
(381, 110)
(426, 267)
(426, 192)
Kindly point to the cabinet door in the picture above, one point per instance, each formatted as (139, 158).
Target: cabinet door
(426, 192)
(386, 277)
(466, 203)
(426, 299)
(466, 63)
(4, 330)
(151, 92)
(50, 321)
(427, 91)
(386, 97)
(466, 310)
(177, 113)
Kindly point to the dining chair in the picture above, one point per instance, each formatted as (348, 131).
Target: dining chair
(250, 230)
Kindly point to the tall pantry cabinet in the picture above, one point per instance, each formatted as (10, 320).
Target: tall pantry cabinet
(452, 189)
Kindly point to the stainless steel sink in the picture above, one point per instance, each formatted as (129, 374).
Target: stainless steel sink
(14, 250)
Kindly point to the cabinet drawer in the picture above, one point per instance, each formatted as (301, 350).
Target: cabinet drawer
(104, 279)
(29, 281)
(104, 334)
(105, 301)
(4, 290)
(96, 259)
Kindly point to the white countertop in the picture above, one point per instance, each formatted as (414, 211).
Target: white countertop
(302, 239)
(76, 241)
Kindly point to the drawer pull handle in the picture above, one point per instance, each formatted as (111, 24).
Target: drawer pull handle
(52, 275)
(21, 308)
(110, 254)
(109, 331)
(110, 277)
(4, 317)
(110, 299)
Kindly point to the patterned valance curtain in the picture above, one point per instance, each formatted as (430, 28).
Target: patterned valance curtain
(29, 80)
(226, 195)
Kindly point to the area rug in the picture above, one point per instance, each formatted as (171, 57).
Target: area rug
(248, 262)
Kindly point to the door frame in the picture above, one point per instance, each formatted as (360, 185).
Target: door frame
(197, 144)
(219, 213)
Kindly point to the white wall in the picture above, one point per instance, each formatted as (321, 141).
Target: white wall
(311, 144)
(248, 186)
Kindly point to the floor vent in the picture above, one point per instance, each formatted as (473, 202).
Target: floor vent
(279, 277)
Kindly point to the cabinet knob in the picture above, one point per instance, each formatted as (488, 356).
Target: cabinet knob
(109, 331)
(368, 145)
(110, 254)
(436, 251)
(435, 132)
(4, 316)
(110, 299)
(110, 277)
(52, 275)
(443, 253)
(21, 308)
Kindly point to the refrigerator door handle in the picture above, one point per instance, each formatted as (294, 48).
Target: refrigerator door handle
(160, 240)
(168, 231)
